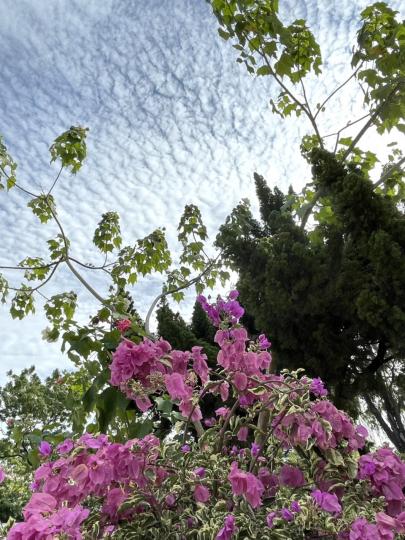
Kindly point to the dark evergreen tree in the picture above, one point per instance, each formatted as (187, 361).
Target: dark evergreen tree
(332, 299)
(201, 325)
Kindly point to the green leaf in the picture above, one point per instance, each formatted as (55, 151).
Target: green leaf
(70, 148)
(107, 235)
(138, 430)
(36, 269)
(3, 289)
(7, 167)
(264, 70)
(43, 206)
(57, 247)
(23, 303)
(60, 309)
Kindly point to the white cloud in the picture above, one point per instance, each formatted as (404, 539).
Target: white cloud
(174, 120)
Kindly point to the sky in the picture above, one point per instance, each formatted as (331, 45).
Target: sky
(173, 120)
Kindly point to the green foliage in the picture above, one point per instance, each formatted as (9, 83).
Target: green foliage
(332, 299)
(107, 236)
(57, 247)
(192, 234)
(60, 309)
(32, 410)
(3, 289)
(380, 56)
(35, 268)
(149, 254)
(23, 303)
(7, 167)
(70, 148)
(267, 47)
(43, 207)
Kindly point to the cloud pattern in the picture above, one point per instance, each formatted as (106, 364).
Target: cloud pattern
(173, 120)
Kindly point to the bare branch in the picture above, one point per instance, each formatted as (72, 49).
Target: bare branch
(337, 90)
(389, 171)
(176, 289)
(370, 122)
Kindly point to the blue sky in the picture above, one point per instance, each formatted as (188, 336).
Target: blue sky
(173, 120)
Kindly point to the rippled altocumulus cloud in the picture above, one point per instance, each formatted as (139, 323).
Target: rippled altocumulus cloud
(174, 120)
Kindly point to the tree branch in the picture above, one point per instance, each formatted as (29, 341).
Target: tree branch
(389, 171)
(370, 122)
(337, 90)
(172, 291)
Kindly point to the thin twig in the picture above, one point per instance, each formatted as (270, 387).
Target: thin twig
(337, 90)
(389, 171)
(176, 289)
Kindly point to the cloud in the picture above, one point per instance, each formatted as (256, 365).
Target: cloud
(173, 120)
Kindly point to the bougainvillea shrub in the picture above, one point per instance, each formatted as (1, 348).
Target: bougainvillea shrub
(276, 460)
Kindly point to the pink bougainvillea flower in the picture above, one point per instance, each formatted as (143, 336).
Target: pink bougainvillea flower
(201, 493)
(65, 447)
(291, 476)
(264, 343)
(200, 472)
(123, 325)
(318, 388)
(228, 529)
(176, 386)
(286, 514)
(2, 475)
(45, 449)
(243, 433)
(270, 519)
(327, 501)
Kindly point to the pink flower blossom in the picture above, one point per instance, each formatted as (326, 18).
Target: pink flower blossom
(291, 476)
(243, 433)
(201, 493)
(228, 529)
(45, 449)
(123, 325)
(2, 475)
(327, 501)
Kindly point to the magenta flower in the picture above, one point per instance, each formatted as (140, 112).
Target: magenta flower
(327, 501)
(255, 449)
(286, 514)
(2, 475)
(45, 449)
(123, 325)
(185, 448)
(65, 447)
(240, 380)
(170, 499)
(270, 519)
(200, 472)
(264, 343)
(228, 529)
(243, 433)
(222, 411)
(246, 484)
(318, 388)
(295, 507)
(201, 493)
(176, 386)
(291, 476)
(233, 295)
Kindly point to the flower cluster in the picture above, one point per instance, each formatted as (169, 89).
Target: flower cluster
(279, 460)
(386, 474)
(92, 466)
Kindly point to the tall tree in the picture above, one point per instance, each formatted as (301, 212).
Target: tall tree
(333, 298)
(332, 294)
